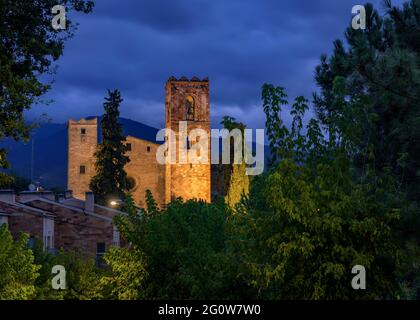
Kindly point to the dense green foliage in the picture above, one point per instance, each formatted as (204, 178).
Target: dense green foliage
(82, 275)
(28, 47)
(370, 90)
(25, 273)
(17, 269)
(307, 222)
(183, 248)
(111, 180)
(126, 277)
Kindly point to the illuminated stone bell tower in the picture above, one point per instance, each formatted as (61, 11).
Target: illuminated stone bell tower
(188, 105)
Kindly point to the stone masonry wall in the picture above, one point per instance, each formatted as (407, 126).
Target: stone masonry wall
(188, 181)
(82, 143)
(75, 230)
(146, 172)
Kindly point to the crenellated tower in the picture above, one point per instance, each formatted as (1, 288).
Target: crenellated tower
(188, 101)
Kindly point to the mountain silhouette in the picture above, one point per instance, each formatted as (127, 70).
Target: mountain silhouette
(43, 159)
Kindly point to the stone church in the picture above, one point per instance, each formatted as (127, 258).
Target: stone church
(186, 100)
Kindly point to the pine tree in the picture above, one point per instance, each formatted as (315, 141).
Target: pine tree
(111, 180)
(370, 92)
(373, 84)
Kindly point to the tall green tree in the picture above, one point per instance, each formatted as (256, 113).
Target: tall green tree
(370, 90)
(28, 47)
(111, 179)
(370, 87)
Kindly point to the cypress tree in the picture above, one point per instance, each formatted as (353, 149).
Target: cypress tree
(235, 181)
(111, 180)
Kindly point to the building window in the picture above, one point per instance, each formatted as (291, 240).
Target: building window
(115, 237)
(83, 131)
(31, 242)
(100, 248)
(82, 169)
(3, 220)
(128, 146)
(148, 149)
(190, 108)
(48, 231)
(100, 251)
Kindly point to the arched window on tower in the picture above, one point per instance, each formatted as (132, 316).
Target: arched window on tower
(190, 108)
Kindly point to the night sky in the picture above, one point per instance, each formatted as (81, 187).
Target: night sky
(136, 45)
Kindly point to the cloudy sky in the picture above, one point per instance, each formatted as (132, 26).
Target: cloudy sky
(135, 45)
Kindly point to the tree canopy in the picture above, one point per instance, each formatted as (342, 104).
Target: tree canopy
(28, 47)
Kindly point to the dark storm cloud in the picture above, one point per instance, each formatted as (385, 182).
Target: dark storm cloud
(136, 45)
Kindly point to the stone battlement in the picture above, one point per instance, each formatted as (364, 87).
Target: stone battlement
(83, 121)
(185, 79)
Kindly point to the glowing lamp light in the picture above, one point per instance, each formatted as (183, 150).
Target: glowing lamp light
(113, 203)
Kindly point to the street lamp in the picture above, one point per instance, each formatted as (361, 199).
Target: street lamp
(115, 202)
